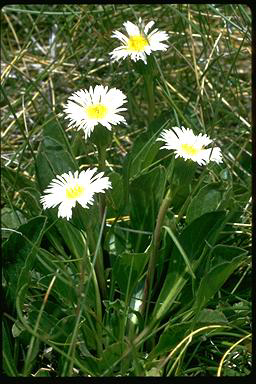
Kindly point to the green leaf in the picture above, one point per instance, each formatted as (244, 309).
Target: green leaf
(55, 240)
(72, 237)
(170, 338)
(117, 240)
(110, 356)
(214, 279)
(101, 137)
(182, 252)
(183, 172)
(49, 319)
(31, 198)
(221, 253)
(146, 196)
(17, 328)
(146, 193)
(52, 160)
(54, 156)
(217, 255)
(79, 146)
(211, 316)
(63, 289)
(128, 268)
(76, 243)
(144, 150)
(11, 219)
(180, 178)
(116, 313)
(17, 179)
(27, 188)
(52, 128)
(88, 341)
(207, 200)
(115, 195)
(103, 366)
(173, 285)
(175, 333)
(19, 253)
(192, 240)
(9, 366)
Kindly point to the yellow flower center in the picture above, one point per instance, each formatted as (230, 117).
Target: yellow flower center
(97, 111)
(74, 192)
(190, 149)
(137, 43)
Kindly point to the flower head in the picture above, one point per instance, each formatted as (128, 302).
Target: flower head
(67, 189)
(85, 109)
(190, 146)
(139, 43)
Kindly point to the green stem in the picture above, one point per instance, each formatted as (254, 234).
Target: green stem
(102, 152)
(102, 165)
(98, 312)
(97, 296)
(149, 84)
(99, 269)
(99, 266)
(154, 250)
(189, 198)
(27, 367)
(44, 338)
(68, 366)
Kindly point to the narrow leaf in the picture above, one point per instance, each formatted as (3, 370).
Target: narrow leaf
(183, 253)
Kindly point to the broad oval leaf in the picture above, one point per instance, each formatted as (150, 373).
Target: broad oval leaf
(192, 239)
(127, 270)
(207, 200)
(54, 155)
(146, 192)
(19, 252)
(214, 279)
(145, 149)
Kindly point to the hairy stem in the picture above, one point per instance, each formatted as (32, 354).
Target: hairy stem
(102, 165)
(154, 249)
(149, 84)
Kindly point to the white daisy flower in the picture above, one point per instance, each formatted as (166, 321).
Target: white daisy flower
(85, 109)
(190, 146)
(139, 42)
(67, 189)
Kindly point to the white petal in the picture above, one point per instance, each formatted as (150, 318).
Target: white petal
(91, 182)
(121, 37)
(148, 27)
(190, 146)
(65, 210)
(76, 113)
(131, 28)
